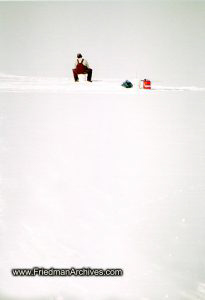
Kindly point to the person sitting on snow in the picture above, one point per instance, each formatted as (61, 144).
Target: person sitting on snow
(82, 67)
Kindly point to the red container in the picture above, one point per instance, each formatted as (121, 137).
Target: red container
(147, 84)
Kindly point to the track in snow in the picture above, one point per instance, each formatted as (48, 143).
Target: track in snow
(11, 83)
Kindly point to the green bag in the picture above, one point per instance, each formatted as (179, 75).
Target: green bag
(127, 84)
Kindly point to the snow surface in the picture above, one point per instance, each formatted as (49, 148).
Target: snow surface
(96, 175)
(12, 83)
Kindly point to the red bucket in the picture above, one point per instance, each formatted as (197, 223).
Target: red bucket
(146, 84)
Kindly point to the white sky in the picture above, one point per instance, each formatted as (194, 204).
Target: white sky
(162, 41)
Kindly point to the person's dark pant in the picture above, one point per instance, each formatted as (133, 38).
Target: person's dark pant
(88, 71)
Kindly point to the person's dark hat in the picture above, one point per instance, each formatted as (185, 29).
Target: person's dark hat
(79, 55)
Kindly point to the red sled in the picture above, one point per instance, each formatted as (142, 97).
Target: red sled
(145, 84)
